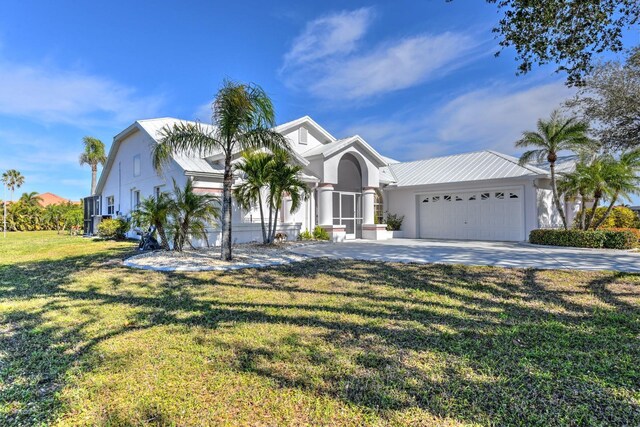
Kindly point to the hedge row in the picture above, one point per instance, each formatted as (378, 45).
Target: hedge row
(610, 239)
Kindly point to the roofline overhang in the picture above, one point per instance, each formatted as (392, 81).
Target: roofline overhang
(395, 186)
(129, 130)
(288, 125)
(204, 174)
(349, 142)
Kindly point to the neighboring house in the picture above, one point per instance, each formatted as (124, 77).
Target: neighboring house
(47, 199)
(483, 195)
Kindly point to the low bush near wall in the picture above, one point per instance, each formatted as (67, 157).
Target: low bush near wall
(305, 235)
(610, 239)
(320, 233)
(394, 222)
(112, 228)
(622, 238)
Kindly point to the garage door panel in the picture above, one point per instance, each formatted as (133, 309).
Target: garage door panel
(474, 215)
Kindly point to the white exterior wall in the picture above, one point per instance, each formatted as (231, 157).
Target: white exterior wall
(120, 181)
(314, 139)
(548, 215)
(404, 201)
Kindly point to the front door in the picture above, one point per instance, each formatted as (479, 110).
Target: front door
(348, 212)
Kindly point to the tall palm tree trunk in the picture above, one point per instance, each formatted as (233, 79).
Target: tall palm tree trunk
(270, 219)
(275, 223)
(556, 198)
(94, 174)
(592, 213)
(583, 210)
(226, 208)
(608, 211)
(264, 230)
(164, 242)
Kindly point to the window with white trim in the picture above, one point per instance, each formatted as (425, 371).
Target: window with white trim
(111, 205)
(136, 165)
(157, 190)
(135, 200)
(378, 208)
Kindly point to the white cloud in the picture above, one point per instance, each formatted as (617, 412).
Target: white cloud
(495, 117)
(394, 66)
(329, 61)
(203, 113)
(490, 118)
(334, 34)
(52, 95)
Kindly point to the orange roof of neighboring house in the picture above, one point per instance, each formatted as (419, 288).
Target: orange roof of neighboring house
(52, 199)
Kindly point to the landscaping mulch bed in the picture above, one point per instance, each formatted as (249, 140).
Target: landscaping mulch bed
(249, 255)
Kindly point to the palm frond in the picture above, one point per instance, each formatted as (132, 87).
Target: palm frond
(185, 138)
(531, 155)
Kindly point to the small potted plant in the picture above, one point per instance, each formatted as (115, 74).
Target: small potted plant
(394, 225)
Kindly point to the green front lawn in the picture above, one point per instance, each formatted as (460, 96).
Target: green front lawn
(86, 341)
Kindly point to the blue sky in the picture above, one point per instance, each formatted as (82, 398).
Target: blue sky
(415, 79)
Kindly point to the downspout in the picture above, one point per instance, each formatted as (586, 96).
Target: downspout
(119, 185)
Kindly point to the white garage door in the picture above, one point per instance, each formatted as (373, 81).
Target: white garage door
(473, 215)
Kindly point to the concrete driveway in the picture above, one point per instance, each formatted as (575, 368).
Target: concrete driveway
(502, 254)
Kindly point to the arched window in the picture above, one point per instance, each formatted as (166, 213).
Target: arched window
(378, 208)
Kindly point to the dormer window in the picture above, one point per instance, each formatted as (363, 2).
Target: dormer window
(303, 135)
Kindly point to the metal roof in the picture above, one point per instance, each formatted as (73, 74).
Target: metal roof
(194, 163)
(476, 166)
(564, 164)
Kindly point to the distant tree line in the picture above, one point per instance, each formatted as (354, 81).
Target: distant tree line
(26, 214)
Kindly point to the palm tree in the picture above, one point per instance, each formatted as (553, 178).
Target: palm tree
(596, 175)
(621, 180)
(155, 211)
(93, 155)
(12, 179)
(573, 184)
(255, 169)
(242, 115)
(554, 135)
(284, 181)
(190, 213)
(31, 199)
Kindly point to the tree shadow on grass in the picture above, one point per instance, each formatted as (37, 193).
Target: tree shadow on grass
(479, 345)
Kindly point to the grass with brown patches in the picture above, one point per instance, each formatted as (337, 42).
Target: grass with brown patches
(86, 341)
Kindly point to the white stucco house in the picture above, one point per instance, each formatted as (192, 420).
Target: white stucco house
(482, 195)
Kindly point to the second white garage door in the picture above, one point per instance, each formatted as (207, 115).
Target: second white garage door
(473, 215)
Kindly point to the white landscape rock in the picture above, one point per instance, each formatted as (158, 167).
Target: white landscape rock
(244, 256)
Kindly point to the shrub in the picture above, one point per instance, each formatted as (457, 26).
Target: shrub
(621, 238)
(574, 238)
(305, 235)
(635, 231)
(113, 228)
(320, 233)
(620, 217)
(610, 239)
(394, 222)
